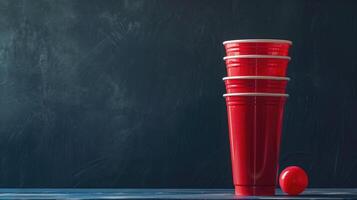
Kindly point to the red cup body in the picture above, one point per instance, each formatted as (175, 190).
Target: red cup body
(257, 48)
(256, 66)
(255, 124)
(255, 85)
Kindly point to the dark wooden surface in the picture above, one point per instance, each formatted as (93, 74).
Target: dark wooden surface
(128, 93)
(165, 194)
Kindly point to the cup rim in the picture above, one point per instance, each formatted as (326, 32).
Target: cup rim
(258, 41)
(257, 94)
(279, 78)
(257, 56)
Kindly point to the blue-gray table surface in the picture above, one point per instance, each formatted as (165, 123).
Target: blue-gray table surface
(164, 194)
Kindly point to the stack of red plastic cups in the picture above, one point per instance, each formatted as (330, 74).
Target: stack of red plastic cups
(255, 98)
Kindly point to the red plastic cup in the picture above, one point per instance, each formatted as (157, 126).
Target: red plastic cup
(257, 46)
(256, 65)
(268, 84)
(255, 123)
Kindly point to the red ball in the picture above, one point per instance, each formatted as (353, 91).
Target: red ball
(293, 180)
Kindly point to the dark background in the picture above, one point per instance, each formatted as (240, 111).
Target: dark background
(128, 93)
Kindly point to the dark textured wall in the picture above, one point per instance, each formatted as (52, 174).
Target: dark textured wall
(128, 93)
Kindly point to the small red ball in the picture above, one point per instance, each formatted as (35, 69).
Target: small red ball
(293, 180)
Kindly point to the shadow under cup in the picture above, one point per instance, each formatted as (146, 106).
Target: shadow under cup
(255, 123)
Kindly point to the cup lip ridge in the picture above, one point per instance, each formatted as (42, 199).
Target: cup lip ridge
(257, 94)
(279, 78)
(258, 41)
(257, 56)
